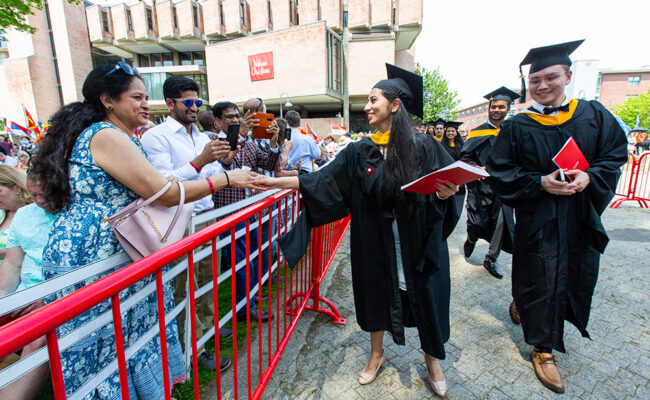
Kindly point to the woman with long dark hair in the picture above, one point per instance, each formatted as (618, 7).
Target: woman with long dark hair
(90, 167)
(453, 143)
(400, 260)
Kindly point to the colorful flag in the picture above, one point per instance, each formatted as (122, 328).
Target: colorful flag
(17, 128)
(31, 124)
(311, 132)
(338, 129)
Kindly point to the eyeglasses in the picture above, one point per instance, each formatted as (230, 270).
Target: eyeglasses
(535, 81)
(121, 65)
(232, 116)
(188, 102)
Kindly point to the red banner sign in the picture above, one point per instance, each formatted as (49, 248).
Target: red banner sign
(261, 66)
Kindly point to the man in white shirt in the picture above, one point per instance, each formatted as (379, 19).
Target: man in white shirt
(6, 159)
(305, 149)
(178, 149)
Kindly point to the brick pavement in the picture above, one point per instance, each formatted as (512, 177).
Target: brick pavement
(486, 355)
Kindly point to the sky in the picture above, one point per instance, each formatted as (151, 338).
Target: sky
(478, 45)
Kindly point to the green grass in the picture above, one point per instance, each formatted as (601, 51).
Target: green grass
(185, 391)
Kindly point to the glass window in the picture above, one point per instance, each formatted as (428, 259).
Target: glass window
(143, 60)
(105, 25)
(156, 60)
(634, 80)
(129, 20)
(195, 14)
(242, 13)
(154, 84)
(197, 58)
(268, 4)
(175, 16)
(223, 21)
(185, 58)
(168, 59)
(149, 19)
(473, 111)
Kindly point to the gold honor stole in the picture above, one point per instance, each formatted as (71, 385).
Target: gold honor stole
(483, 132)
(380, 138)
(559, 119)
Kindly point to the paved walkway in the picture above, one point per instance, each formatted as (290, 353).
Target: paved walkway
(486, 355)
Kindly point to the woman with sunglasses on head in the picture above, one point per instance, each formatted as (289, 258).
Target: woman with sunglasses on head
(91, 167)
(399, 255)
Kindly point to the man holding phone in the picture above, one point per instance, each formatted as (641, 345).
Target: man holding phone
(251, 156)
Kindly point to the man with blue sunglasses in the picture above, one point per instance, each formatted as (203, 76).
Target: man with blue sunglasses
(178, 149)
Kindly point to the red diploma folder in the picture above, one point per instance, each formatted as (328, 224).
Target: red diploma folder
(457, 173)
(570, 157)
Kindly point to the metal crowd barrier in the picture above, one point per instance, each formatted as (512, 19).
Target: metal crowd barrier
(287, 301)
(634, 184)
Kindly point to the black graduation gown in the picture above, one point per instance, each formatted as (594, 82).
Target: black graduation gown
(483, 206)
(351, 184)
(454, 152)
(558, 239)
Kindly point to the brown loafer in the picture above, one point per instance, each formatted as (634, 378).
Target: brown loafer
(546, 371)
(514, 314)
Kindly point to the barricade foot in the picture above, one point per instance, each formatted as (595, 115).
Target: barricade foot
(332, 312)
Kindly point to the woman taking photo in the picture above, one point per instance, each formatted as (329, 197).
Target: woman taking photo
(91, 166)
(400, 261)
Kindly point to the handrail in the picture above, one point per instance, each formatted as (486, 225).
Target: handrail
(26, 329)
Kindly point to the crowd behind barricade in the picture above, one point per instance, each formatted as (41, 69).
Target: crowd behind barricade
(54, 216)
(401, 275)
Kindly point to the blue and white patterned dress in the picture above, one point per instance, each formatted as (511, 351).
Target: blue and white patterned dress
(80, 235)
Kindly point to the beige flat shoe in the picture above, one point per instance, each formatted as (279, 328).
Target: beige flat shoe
(366, 378)
(440, 388)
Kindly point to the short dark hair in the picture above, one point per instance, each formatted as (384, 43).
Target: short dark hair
(176, 84)
(293, 118)
(206, 119)
(218, 109)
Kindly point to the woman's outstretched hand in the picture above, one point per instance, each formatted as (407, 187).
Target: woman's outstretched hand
(240, 178)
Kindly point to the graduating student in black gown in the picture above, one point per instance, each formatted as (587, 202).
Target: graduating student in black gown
(453, 143)
(487, 217)
(559, 236)
(399, 254)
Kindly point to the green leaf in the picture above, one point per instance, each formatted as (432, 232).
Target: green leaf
(633, 106)
(439, 101)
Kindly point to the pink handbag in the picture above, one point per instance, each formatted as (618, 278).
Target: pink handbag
(139, 226)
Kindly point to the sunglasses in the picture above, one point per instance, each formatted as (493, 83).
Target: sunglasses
(232, 116)
(121, 65)
(188, 102)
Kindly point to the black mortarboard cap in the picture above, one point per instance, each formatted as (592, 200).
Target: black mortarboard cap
(439, 121)
(453, 124)
(544, 57)
(406, 85)
(502, 93)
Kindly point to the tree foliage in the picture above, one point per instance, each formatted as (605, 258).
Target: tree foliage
(13, 13)
(633, 106)
(439, 101)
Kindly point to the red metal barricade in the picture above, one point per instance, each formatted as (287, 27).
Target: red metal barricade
(286, 300)
(634, 184)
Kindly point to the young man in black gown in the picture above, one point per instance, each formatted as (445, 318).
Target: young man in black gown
(558, 235)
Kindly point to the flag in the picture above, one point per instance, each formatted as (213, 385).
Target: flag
(17, 129)
(311, 132)
(636, 124)
(31, 124)
(338, 129)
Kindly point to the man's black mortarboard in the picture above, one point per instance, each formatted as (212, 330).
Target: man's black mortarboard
(544, 57)
(502, 93)
(453, 124)
(406, 85)
(439, 121)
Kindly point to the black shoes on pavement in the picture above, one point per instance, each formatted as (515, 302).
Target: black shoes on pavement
(492, 268)
(241, 316)
(209, 361)
(468, 248)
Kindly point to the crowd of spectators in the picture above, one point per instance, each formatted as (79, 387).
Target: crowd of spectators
(101, 154)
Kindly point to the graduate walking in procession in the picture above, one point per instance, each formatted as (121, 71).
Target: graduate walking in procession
(399, 254)
(487, 217)
(559, 236)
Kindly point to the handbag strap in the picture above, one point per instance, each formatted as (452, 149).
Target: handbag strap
(131, 210)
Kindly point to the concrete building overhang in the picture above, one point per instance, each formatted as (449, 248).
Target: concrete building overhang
(174, 70)
(406, 34)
